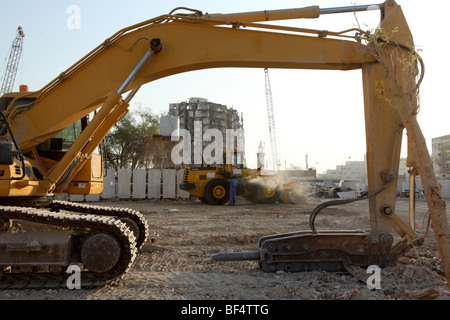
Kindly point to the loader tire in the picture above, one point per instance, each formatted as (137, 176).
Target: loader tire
(266, 193)
(217, 192)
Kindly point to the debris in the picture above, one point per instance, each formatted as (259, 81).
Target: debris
(346, 295)
(427, 294)
(347, 194)
(358, 272)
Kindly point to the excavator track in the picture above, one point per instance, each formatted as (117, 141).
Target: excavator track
(125, 214)
(83, 225)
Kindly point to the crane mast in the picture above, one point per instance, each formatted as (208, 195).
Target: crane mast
(13, 62)
(271, 120)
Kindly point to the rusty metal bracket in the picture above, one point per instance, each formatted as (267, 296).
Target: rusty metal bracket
(329, 251)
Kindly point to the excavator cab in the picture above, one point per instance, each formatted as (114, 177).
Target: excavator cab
(89, 180)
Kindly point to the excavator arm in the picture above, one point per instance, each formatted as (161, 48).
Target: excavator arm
(85, 86)
(177, 43)
(188, 45)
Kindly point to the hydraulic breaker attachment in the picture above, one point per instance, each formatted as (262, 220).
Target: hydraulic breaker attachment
(329, 251)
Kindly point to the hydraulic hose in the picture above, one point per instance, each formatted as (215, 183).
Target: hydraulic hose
(20, 155)
(324, 205)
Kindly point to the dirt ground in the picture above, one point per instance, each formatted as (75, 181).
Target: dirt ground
(178, 265)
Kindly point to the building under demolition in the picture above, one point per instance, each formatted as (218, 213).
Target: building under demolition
(210, 115)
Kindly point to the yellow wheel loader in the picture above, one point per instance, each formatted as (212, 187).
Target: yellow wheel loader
(210, 184)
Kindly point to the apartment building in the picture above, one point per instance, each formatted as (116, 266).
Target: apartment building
(209, 114)
(440, 153)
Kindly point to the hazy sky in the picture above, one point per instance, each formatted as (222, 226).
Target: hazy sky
(316, 112)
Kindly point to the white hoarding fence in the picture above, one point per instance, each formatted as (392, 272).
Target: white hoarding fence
(138, 184)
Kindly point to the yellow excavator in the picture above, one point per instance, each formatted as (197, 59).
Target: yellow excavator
(48, 146)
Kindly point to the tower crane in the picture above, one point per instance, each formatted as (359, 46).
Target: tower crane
(13, 62)
(271, 119)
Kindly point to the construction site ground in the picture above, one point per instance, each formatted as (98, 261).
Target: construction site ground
(178, 265)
